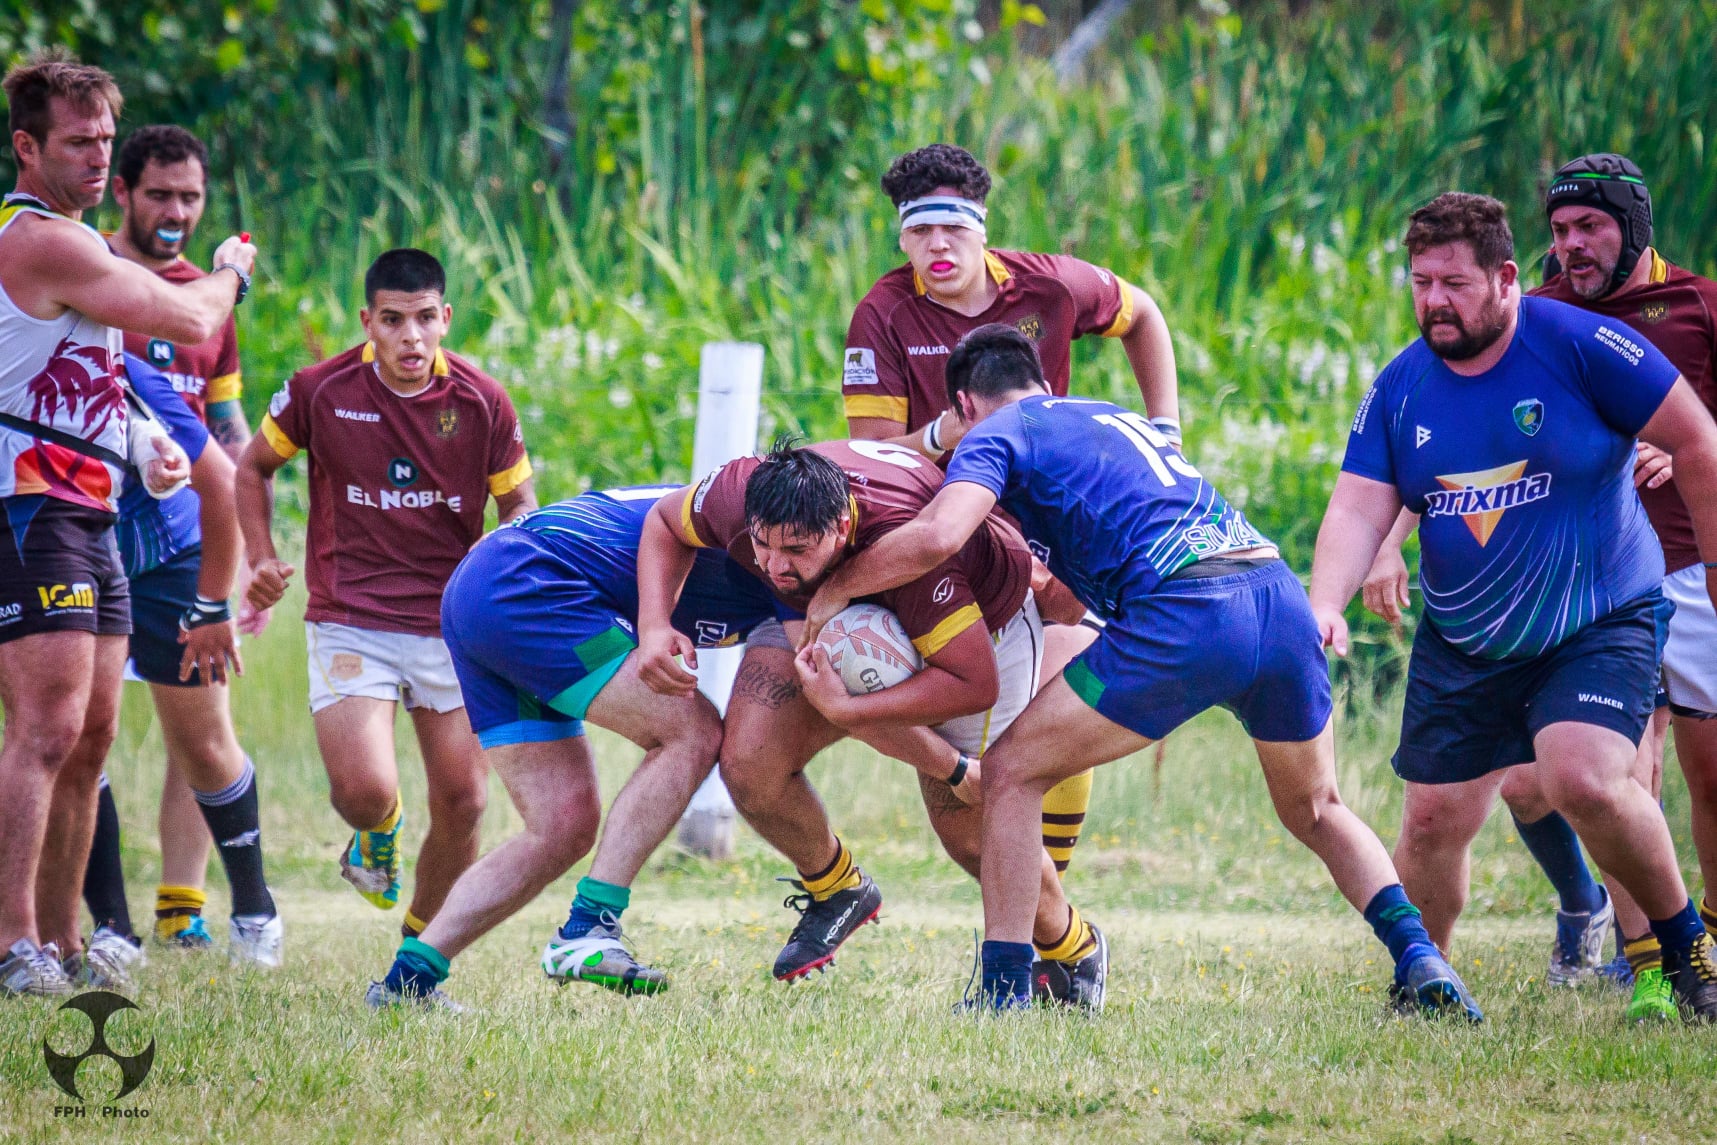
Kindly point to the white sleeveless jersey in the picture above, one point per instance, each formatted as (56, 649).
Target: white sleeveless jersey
(62, 373)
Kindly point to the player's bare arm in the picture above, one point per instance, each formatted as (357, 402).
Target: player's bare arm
(229, 427)
(253, 490)
(1150, 351)
(1682, 427)
(932, 441)
(664, 561)
(55, 265)
(516, 503)
(1384, 592)
(936, 534)
(1360, 514)
(1055, 601)
(210, 647)
(959, 680)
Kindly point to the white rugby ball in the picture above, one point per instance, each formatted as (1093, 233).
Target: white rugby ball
(869, 647)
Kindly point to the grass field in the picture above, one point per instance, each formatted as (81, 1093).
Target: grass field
(1245, 1000)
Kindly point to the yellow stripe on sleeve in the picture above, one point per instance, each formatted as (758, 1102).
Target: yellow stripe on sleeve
(277, 440)
(688, 531)
(875, 405)
(938, 638)
(509, 479)
(226, 388)
(1124, 320)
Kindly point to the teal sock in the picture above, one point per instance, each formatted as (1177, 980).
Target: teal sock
(417, 969)
(594, 899)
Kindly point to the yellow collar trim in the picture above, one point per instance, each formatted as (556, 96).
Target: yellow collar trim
(437, 369)
(852, 520)
(1659, 267)
(998, 272)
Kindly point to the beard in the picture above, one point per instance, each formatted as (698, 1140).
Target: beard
(146, 241)
(1595, 288)
(1470, 342)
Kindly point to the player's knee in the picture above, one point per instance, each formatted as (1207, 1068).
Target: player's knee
(1428, 826)
(362, 801)
(1587, 796)
(460, 805)
(1524, 795)
(45, 742)
(753, 777)
(1303, 817)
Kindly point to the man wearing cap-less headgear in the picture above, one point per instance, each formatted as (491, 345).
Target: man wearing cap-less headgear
(1599, 210)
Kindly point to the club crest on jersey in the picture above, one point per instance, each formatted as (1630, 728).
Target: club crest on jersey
(1480, 499)
(1653, 312)
(1529, 416)
(159, 352)
(860, 368)
(1031, 326)
(446, 423)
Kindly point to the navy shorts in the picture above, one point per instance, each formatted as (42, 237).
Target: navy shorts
(1246, 642)
(159, 598)
(1466, 717)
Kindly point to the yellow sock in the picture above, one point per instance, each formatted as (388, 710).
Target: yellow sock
(1708, 914)
(1643, 953)
(840, 875)
(173, 905)
(392, 821)
(1063, 815)
(413, 926)
(1073, 945)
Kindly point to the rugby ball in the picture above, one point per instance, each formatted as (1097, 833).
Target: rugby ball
(869, 647)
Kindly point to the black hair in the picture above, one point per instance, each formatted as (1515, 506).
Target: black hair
(992, 360)
(797, 490)
(162, 143)
(917, 173)
(407, 270)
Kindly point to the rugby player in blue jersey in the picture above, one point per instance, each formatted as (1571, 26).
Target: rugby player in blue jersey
(1510, 427)
(541, 618)
(1201, 611)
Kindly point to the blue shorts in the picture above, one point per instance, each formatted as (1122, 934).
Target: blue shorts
(159, 598)
(1246, 642)
(1466, 717)
(526, 629)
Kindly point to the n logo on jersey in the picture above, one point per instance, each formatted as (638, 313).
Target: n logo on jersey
(401, 472)
(1480, 499)
(159, 352)
(1529, 416)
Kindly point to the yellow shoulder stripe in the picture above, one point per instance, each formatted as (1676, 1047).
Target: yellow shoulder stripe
(875, 405)
(1124, 320)
(510, 478)
(277, 440)
(688, 531)
(938, 638)
(226, 388)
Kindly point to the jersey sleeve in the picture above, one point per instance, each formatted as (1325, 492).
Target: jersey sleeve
(712, 516)
(874, 379)
(509, 464)
(227, 384)
(1102, 300)
(935, 608)
(1370, 452)
(1626, 377)
(990, 453)
(286, 425)
(183, 426)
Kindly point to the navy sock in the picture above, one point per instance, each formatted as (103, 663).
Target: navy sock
(1679, 931)
(1553, 843)
(418, 969)
(1397, 924)
(104, 878)
(594, 899)
(233, 820)
(1007, 972)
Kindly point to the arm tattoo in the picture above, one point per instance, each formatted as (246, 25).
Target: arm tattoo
(759, 684)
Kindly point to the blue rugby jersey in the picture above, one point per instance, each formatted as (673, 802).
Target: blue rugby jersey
(598, 534)
(1531, 528)
(1103, 498)
(152, 532)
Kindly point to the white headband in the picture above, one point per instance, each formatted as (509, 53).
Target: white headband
(946, 210)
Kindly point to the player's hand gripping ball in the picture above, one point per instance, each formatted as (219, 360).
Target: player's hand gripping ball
(869, 649)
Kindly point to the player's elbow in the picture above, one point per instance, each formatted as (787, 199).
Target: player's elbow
(975, 694)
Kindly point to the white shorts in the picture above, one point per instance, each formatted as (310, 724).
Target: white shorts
(347, 661)
(1690, 656)
(1019, 658)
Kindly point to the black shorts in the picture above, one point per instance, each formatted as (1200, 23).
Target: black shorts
(59, 570)
(1466, 717)
(159, 598)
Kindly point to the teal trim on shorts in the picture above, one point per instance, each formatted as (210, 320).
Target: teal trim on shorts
(576, 700)
(1084, 683)
(530, 731)
(597, 653)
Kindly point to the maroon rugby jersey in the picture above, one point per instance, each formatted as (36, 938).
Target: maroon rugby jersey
(1676, 311)
(397, 484)
(203, 374)
(985, 581)
(898, 343)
